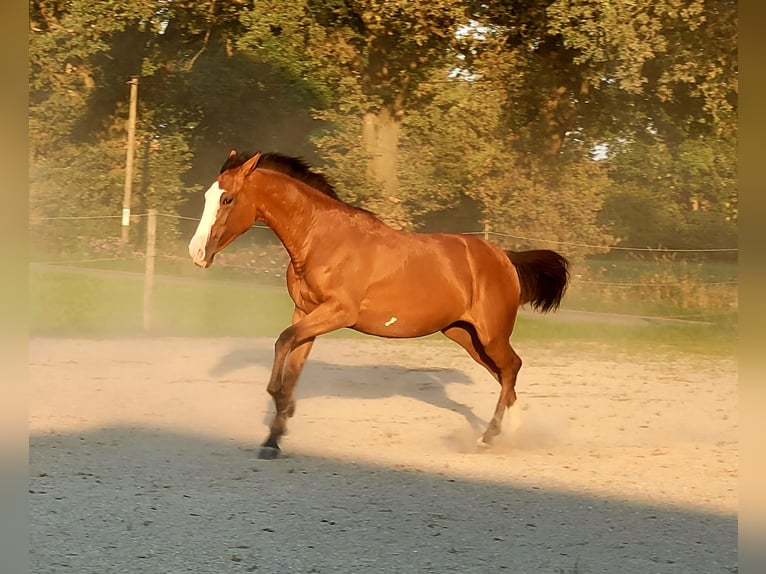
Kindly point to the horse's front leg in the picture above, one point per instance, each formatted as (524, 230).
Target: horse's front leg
(290, 353)
(284, 402)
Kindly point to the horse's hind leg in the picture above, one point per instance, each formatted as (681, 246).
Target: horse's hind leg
(502, 362)
(464, 334)
(508, 364)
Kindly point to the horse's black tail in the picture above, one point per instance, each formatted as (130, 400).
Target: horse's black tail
(544, 275)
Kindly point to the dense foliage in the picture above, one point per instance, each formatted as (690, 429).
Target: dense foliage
(590, 122)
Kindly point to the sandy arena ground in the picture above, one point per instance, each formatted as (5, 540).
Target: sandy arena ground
(143, 459)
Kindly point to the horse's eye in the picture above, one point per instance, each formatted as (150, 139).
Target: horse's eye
(227, 200)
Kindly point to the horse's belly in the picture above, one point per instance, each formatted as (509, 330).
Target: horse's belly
(408, 316)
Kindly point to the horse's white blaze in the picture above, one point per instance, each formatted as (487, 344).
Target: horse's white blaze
(209, 213)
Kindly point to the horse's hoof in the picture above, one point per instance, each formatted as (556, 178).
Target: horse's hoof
(481, 443)
(268, 453)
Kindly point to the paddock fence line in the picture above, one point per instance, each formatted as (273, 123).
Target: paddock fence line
(157, 247)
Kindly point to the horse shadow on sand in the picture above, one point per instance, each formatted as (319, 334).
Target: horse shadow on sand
(371, 381)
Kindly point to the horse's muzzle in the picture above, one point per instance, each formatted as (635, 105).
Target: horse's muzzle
(202, 259)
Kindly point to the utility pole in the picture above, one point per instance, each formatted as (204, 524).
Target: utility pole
(129, 159)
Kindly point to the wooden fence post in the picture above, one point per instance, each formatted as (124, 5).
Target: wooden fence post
(129, 158)
(151, 241)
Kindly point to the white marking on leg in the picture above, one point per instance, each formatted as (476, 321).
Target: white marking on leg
(391, 321)
(209, 213)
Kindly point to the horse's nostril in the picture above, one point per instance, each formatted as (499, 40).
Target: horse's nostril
(200, 254)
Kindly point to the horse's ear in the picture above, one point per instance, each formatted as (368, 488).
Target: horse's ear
(249, 166)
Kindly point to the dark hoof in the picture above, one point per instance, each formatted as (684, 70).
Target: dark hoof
(268, 453)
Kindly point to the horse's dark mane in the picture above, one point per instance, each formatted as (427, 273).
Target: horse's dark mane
(295, 167)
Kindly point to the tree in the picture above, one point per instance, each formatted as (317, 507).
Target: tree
(413, 108)
(463, 151)
(197, 99)
(82, 54)
(670, 68)
(653, 83)
(675, 196)
(366, 58)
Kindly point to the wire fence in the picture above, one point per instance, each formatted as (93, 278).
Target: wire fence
(661, 287)
(489, 232)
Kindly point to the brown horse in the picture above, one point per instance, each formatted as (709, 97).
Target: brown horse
(349, 269)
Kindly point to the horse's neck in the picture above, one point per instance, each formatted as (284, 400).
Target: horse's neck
(293, 211)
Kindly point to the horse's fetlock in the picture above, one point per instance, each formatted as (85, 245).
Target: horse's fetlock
(274, 389)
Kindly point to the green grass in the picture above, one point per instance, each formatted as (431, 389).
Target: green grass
(62, 303)
(74, 304)
(77, 304)
(718, 338)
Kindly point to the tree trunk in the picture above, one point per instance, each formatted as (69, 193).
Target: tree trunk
(381, 141)
(381, 131)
